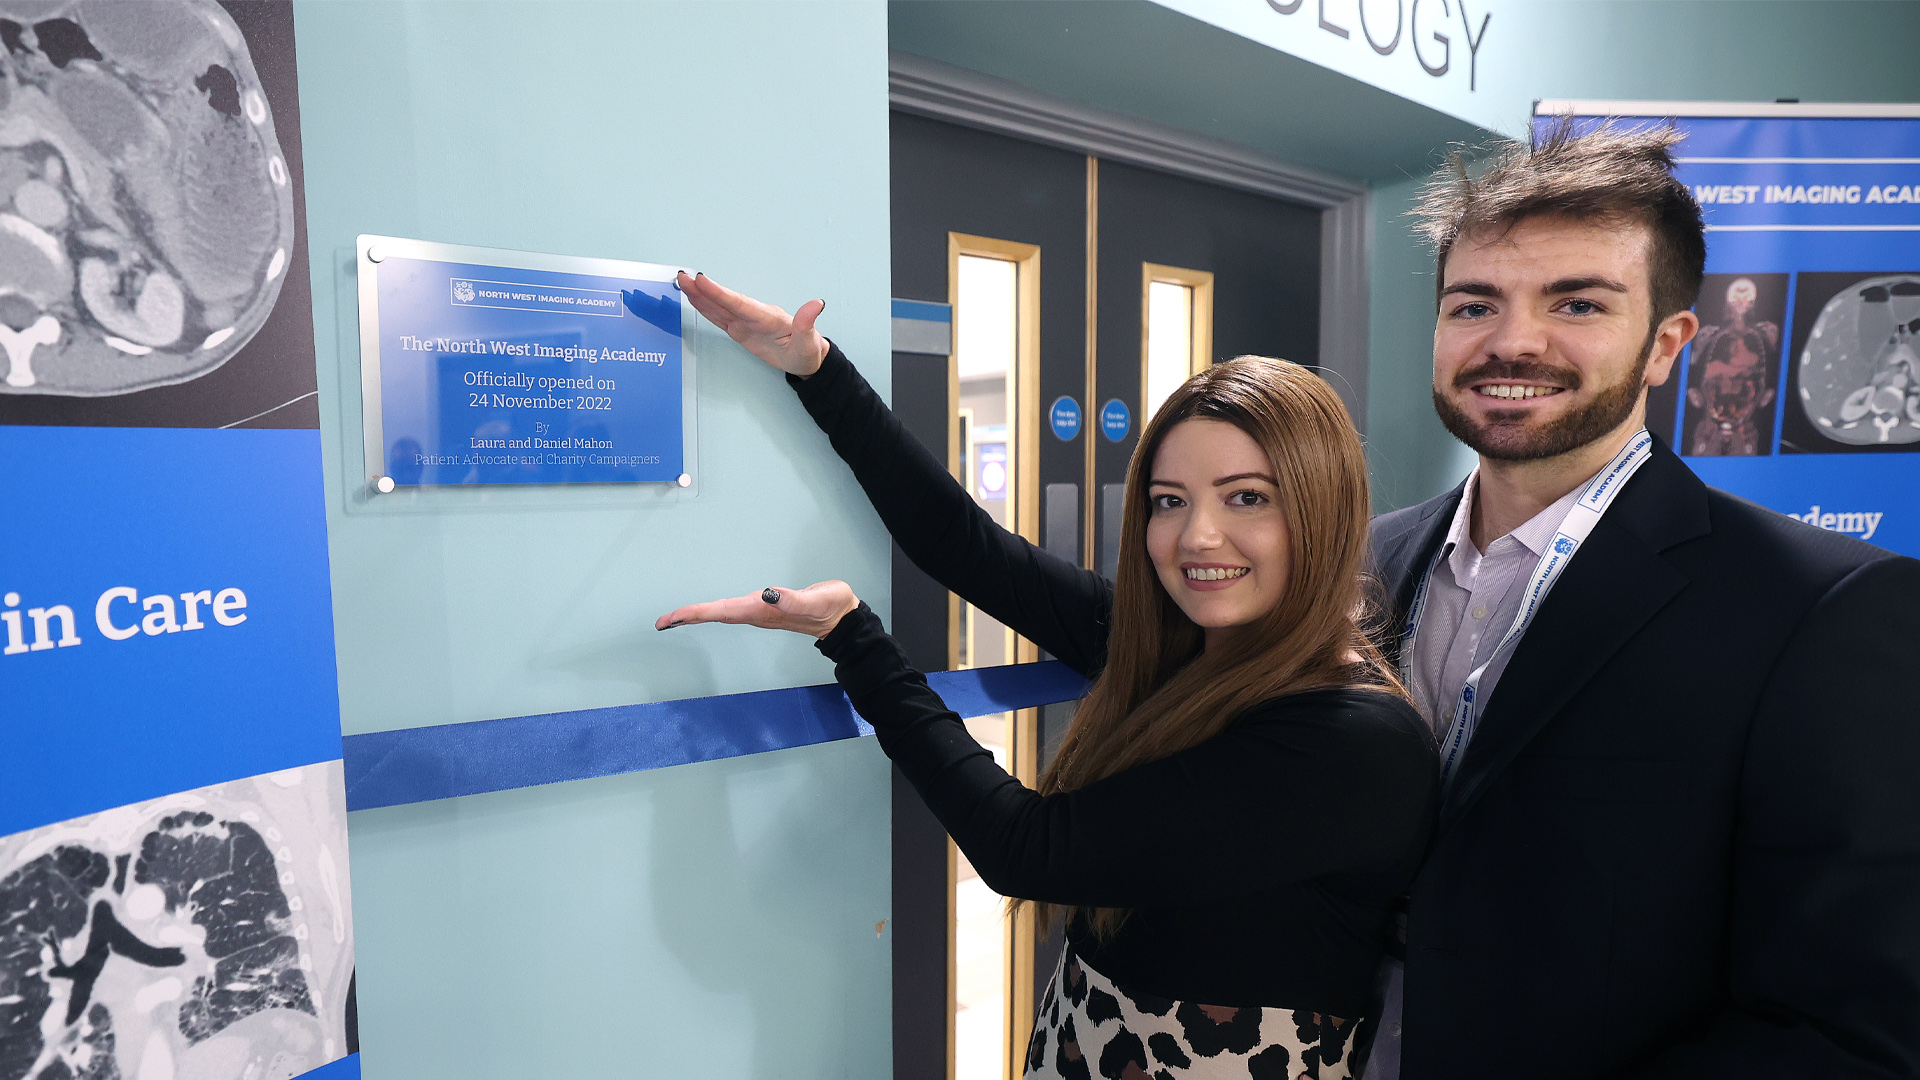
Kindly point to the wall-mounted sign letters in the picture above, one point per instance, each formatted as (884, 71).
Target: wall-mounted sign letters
(481, 366)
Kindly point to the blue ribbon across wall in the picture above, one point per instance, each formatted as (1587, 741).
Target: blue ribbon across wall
(389, 768)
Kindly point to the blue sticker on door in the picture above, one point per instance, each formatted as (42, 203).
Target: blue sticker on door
(1065, 418)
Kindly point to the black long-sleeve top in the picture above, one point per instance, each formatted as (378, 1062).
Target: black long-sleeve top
(1260, 866)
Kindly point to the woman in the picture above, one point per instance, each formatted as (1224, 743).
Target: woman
(1245, 790)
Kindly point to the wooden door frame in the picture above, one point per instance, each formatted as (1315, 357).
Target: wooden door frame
(1026, 392)
(1023, 749)
(1199, 325)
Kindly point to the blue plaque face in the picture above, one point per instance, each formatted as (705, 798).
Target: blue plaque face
(492, 374)
(1115, 420)
(1065, 418)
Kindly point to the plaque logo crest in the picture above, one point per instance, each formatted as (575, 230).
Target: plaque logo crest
(463, 291)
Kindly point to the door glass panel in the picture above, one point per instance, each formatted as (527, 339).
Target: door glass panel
(1176, 331)
(1169, 342)
(986, 342)
(980, 951)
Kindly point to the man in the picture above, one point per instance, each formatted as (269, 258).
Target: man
(1680, 835)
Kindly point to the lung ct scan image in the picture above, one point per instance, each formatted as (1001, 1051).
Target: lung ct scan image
(201, 936)
(1856, 372)
(151, 272)
(1734, 365)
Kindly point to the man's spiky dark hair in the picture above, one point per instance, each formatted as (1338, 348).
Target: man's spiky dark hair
(1610, 174)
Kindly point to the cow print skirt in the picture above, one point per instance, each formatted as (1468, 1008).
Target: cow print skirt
(1087, 1027)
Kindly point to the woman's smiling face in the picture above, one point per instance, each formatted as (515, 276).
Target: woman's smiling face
(1217, 537)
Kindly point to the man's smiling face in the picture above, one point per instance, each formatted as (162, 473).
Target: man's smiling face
(1543, 343)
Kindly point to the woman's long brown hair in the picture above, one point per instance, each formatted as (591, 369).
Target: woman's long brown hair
(1160, 693)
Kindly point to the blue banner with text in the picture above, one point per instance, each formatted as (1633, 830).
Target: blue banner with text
(1802, 389)
(175, 891)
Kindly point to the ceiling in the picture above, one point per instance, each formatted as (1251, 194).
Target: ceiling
(1144, 60)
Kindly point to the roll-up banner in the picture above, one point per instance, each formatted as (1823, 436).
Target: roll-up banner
(174, 894)
(1802, 389)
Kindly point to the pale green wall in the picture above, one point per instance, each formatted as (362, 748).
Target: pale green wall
(713, 920)
(1412, 456)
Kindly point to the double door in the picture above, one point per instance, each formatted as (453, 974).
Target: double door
(1078, 293)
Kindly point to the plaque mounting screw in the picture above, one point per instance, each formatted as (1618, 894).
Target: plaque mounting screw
(685, 480)
(374, 254)
(383, 485)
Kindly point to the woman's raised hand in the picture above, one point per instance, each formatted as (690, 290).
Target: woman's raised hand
(787, 342)
(814, 610)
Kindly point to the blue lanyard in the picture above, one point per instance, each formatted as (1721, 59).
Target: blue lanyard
(1595, 497)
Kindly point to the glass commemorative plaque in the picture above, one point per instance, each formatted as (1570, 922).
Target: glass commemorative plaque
(482, 366)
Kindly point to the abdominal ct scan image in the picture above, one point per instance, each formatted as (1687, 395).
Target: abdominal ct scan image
(1858, 374)
(146, 207)
(201, 936)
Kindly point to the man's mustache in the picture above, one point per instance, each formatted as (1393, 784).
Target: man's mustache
(1531, 371)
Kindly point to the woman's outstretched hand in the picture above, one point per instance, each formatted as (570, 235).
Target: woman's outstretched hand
(787, 342)
(814, 610)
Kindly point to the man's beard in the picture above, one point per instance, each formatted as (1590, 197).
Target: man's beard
(1506, 435)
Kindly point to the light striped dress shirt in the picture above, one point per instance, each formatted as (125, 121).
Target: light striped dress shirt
(1471, 602)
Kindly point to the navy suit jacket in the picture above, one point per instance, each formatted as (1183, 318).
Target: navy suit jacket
(1685, 839)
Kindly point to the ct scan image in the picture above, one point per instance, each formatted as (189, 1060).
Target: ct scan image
(1733, 367)
(1855, 377)
(201, 936)
(151, 268)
